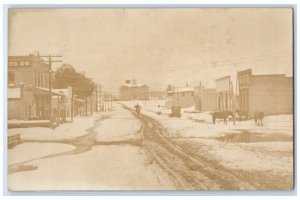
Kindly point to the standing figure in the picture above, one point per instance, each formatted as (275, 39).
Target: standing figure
(138, 108)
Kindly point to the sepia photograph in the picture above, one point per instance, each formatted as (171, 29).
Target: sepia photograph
(150, 99)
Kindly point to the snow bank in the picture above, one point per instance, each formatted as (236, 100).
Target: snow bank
(29, 151)
(112, 167)
(272, 156)
(121, 125)
(64, 131)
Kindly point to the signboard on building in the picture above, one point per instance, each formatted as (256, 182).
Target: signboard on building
(18, 63)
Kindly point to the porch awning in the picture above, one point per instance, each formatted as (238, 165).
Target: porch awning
(45, 91)
(78, 100)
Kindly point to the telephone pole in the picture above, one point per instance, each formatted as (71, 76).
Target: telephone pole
(91, 102)
(96, 103)
(72, 103)
(111, 98)
(104, 100)
(98, 97)
(50, 61)
(177, 96)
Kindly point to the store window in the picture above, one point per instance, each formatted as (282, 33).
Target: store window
(11, 78)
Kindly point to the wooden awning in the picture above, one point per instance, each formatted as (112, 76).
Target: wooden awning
(44, 91)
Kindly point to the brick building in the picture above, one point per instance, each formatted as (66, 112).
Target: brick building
(30, 70)
(271, 94)
(134, 91)
(28, 88)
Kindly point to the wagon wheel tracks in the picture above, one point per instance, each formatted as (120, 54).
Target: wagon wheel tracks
(189, 171)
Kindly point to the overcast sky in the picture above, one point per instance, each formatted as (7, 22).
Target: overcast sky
(158, 46)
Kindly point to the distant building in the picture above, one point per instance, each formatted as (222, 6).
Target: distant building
(271, 94)
(157, 95)
(205, 99)
(183, 97)
(134, 91)
(225, 96)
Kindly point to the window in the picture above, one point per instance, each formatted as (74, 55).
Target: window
(38, 75)
(42, 85)
(46, 81)
(247, 79)
(241, 81)
(226, 101)
(11, 78)
(35, 77)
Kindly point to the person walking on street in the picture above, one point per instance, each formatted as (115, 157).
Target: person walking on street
(138, 108)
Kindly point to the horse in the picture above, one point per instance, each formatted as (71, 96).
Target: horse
(258, 118)
(242, 113)
(221, 115)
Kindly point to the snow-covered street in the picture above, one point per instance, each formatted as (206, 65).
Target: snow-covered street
(264, 152)
(120, 150)
(106, 156)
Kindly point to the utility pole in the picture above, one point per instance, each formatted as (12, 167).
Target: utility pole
(104, 99)
(72, 104)
(91, 103)
(50, 61)
(236, 91)
(86, 106)
(108, 96)
(100, 95)
(50, 92)
(111, 100)
(58, 122)
(98, 98)
(96, 103)
(235, 98)
(200, 97)
(99, 102)
(145, 99)
(177, 96)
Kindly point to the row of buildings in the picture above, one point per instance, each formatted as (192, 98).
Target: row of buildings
(30, 95)
(271, 94)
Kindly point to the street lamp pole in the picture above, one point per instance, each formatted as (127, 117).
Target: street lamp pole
(72, 103)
